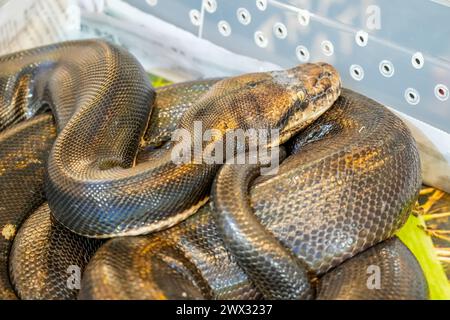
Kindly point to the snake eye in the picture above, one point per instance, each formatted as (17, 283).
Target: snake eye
(301, 95)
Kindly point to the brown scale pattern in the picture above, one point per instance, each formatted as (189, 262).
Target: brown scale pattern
(191, 259)
(198, 240)
(40, 263)
(400, 276)
(171, 103)
(350, 184)
(24, 149)
(191, 252)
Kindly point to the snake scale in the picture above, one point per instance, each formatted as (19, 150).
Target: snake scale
(347, 184)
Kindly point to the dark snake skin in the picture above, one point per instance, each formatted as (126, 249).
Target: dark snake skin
(99, 95)
(351, 183)
(24, 149)
(191, 251)
(45, 252)
(190, 259)
(170, 105)
(400, 276)
(321, 233)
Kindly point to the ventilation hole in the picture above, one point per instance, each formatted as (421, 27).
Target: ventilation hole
(386, 68)
(152, 3)
(441, 92)
(303, 17)
(361, 38)
(356, 72)
(194, 15)
(210, 5)
(412, 96)
(280, 30)
(260, 39)
(327, 48)
(243, 16)
(302, 53)
(417, 60)
(261, 4)
(224, 28)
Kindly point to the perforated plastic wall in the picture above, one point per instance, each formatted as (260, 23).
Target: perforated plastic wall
(394, 51)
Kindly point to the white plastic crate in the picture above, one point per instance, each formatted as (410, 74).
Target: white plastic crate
(393, 51)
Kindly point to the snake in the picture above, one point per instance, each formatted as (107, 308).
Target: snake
(380, 158)
(25, 150)
(99, 95)
(337, 236)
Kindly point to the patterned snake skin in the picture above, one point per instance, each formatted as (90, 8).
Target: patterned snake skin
(400, 276)
(318, 191)
(40, 256)
(24, 150)
(99, 95)
(340, 224)
(190, 259)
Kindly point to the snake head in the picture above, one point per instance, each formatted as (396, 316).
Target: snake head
(285, 100)
(308, 91)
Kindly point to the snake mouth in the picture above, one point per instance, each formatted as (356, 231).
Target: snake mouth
(324, 85)
(291, 131)
(315, 85)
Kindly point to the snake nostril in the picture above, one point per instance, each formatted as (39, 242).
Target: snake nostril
(325, 74)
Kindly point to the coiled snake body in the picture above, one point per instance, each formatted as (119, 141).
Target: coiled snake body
(347, 184)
